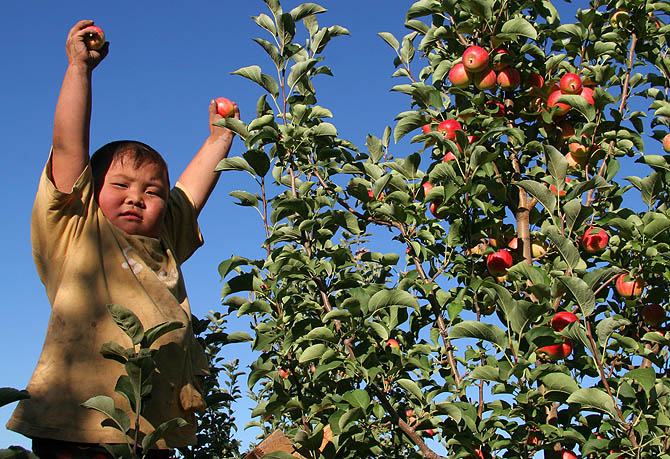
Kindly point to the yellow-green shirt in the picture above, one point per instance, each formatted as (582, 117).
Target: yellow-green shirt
(86, 263)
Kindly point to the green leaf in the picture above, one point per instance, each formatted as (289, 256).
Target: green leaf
(313, 352)
(321, 333)
(337, 314)
(238, 337)
(607, 326)
(258, 160)
(246, 199)
(127, 321)
(411, 387)
(234, 164)
(581, 292)
(559, 382)
(151, 335)
(557, 165)
(594, 398)
(390, 39)
(254, 307)
(151, 439)
(235, 125)
(306, 9)
(659, 224)
(105, 405)
(358, 398)
(541, 192)
(114, 351)
(580, 104)
(645, 376)
(407, 124)
(9, 395)
(265, 22)
(125, 387)
(486, 373)
(519, 26)
(271, 49)
(479, 330)
(565, 247)
(299, 70)
(389, 298)
(285, 29)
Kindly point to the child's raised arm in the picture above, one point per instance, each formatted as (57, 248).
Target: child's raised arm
(73, 110)
(199, 177)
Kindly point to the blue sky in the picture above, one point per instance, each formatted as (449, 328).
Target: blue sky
(167, 60)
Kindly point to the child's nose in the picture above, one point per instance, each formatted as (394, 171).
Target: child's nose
(135, 198)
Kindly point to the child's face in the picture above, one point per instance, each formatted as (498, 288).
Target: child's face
(134, 198)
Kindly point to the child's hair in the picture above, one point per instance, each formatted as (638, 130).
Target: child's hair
(120, 150)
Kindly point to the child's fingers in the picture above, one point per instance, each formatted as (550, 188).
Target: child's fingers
(79, 26)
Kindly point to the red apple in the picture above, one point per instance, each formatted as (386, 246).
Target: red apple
(392, 343)
(562, 319)
(434, 206)
(587, 93)
(653, 314)
(426, 128)
(562, 107)
(555, 191)
(448, 157)
(429, 432)
(572, 162)
(500, 59)
(509, 78)
(495, 109)
(555, 352)
(595, 240)
(498, 262)
(567, 454)
(535, 80)
(283, 373)
(475, 59)
(628, 287)
(485, 80)
(427, 186)
(579, 150)
(449, 128)
(224, 107)
(570, 83)
(409, 412)
(666, 143)
(459, 76)
(567, 130)
(94, 37)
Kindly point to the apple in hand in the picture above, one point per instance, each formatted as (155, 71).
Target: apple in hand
(499, 262)
(570, 83)
(653, 314)
(595, 240)
(628, 287)
(459, 76)
(562, 319)
(94, 37)
(224, 107)
(475, 59)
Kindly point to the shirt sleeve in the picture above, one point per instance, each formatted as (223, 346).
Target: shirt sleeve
(58, 218)
(180, 224)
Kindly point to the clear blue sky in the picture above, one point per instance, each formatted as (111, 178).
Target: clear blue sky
(167, 60)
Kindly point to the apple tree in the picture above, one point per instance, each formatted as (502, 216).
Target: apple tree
(499, 287)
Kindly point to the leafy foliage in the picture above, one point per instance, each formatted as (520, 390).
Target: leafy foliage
(388, 352)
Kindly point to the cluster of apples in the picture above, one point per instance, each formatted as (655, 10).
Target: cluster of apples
(555, 352)
(474, 69)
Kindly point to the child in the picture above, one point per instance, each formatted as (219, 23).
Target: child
(109, 230)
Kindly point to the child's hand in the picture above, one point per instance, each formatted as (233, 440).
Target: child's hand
(77, 51)
(216, 132)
